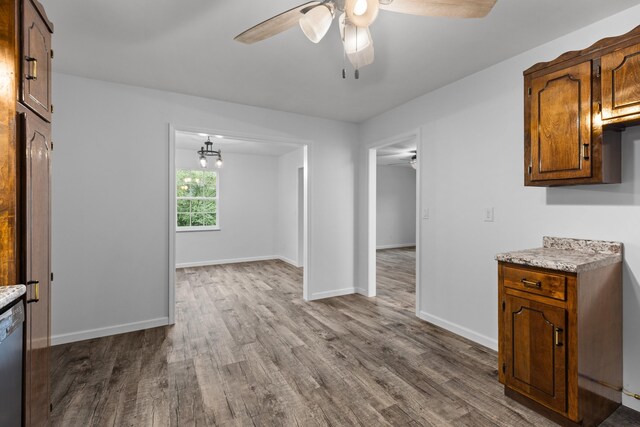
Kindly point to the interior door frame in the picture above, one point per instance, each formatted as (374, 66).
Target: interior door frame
(372, 150)
(306, 145)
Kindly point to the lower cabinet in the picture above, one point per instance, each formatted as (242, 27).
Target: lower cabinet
(35, 146)
(535, 354)
(560, 341)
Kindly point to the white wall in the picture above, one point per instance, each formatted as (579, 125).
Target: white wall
(247, 212)
(110, 199)
(287, 219)
(471, 158)
(396, 206)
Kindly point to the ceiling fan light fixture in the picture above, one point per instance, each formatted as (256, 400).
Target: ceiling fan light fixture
(316, 22)
(357, 41)
(361, 13)
(360, 8)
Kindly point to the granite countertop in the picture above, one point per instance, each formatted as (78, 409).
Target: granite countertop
(9, 294)
(570, 255)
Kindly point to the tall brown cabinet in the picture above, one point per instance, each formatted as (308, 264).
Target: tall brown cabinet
(25, 184)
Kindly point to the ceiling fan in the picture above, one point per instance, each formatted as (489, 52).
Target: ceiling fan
(406, 158)
(315, 18)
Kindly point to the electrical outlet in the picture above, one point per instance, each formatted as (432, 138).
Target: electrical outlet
(488, 214)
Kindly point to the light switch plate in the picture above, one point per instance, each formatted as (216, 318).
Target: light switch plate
(488, 214)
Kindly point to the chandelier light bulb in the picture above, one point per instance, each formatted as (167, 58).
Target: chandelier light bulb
(203, 161)
(219, 162)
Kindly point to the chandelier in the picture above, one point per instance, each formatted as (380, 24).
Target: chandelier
(208, 151)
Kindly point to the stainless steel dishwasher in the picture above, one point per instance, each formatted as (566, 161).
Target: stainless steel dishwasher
(11, 340)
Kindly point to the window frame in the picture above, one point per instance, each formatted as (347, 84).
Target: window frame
(191, 228)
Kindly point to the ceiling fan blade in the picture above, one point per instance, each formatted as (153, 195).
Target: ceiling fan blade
(276, 24)
(446, 8)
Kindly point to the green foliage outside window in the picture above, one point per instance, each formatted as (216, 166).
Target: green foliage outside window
(196, 198)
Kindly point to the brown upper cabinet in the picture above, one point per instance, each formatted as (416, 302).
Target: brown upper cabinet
(621, 83)
(575, 107)
(561, 124)
(36, 59)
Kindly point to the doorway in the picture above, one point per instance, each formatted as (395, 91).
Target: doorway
(393, 240)
(242, 216)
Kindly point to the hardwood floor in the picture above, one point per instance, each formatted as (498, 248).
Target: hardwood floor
(396, 278)
(246, 350)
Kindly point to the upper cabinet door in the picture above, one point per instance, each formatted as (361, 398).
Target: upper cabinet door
(621, 82)
(36, 61)
(560, 120)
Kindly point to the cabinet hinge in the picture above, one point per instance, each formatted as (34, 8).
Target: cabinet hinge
(51, 53)
(529, 91)
(51, 108)
(504, 368)
(599, 107)
(52, 276)
(51, 145)
(599, 71)
(503, 306)
(529, 169)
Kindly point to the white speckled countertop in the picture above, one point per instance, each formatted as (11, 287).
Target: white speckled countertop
(570, 255)
(9, 294)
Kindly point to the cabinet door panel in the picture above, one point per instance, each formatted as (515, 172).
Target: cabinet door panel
(535, 351)
(37, 164)
(36, 62)
(561, 124)
(621, 82)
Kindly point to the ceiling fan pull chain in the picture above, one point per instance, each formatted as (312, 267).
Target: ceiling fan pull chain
(344, 59)
(356, 74)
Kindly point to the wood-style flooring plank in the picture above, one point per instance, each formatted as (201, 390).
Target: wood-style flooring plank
(247, 350)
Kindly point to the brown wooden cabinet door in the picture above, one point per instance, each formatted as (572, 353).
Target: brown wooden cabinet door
(560, 123)
(37, 165)
(535, 351)
(621, 82)
(36, 61)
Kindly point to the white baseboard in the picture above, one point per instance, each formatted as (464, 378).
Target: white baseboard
(460, 330)
(226, 261)
(108, 330)
(396, 246)
(364, 291)
(630, 402)
(289, 261)
(335, 293)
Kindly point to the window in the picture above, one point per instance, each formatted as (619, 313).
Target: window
(197, 200)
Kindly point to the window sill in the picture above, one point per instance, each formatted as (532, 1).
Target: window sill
(189, 229)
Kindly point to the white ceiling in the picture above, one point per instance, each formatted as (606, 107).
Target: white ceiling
(187, 46)
(398, 154)
(194, 141)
